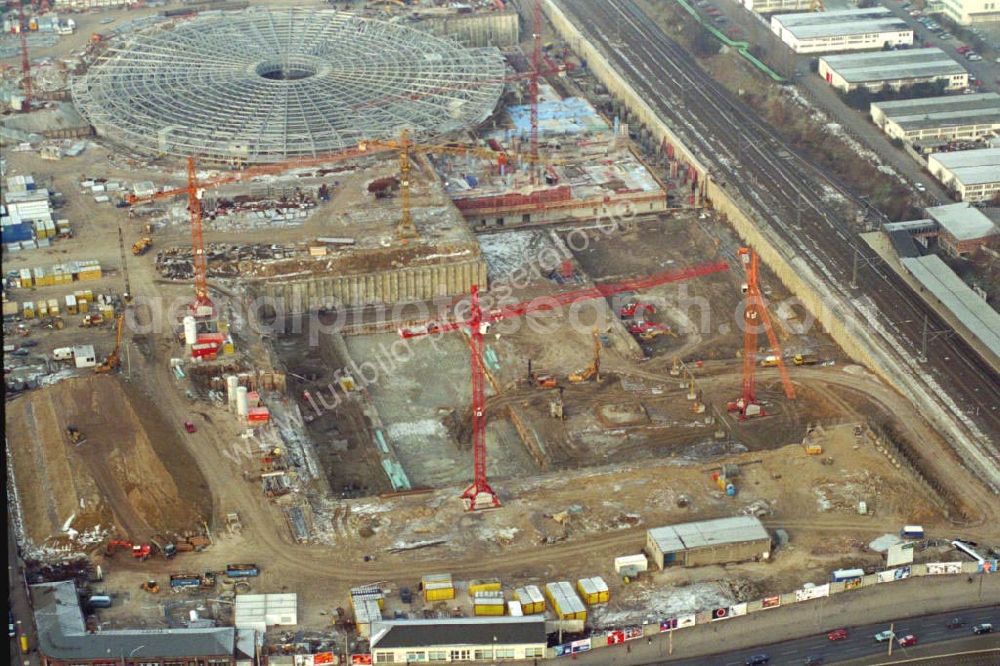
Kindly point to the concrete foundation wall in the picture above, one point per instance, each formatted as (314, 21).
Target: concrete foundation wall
(855, 331)
(730, 552)
(622, 206)
(386, 287)
(495, 29)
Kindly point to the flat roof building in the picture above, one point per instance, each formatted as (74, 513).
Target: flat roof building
(967, 12)
(461, 639)
(844, 30)
(892, 68)
(709, 542)
(63, 638)
(973, 174)
(964, 229)
(950, 117)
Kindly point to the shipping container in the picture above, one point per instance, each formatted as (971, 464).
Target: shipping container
(258, 415)
(437, 587)
(53, 307)
(42, 308)
(62, 353)
(71, 304)
(531, 599)
(631, 564)
(912, 532)
(489, 585)
(514, 608)
(564, 601)
(593, 590)
(185, 580)
(840, 575)
(100, 601)
(10, 308)
(28, 310)
(242, 570)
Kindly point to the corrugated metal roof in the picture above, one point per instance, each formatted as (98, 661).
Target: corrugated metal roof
(810, 25)
(892, 65)
(946, 111)
(687, 536)
(973, 311)
(269, 609)
(963, 221)
(565, 597)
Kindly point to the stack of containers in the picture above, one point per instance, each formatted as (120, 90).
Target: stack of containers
(43, 278)
(565, 604)
(437, 587)
(593, 590)
(89, 269)
(488, 602)
(487, 585)
(531, 599)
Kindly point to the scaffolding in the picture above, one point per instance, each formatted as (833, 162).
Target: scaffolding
(264, 86)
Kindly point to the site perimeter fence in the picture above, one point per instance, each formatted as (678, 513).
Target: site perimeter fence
(608, 638)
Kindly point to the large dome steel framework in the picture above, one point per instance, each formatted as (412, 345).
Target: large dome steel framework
(271, 85)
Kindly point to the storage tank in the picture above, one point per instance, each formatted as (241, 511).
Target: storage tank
(190, 330)
(232, 383)
(242, 402)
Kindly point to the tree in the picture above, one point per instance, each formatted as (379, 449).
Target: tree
(705, 44)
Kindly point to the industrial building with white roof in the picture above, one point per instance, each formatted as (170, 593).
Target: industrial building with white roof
(973, 174)
(458, 639)
(963, 228)
(951, 117)
(892, 68)
(771, 6)
(844, 30)
(708, 542)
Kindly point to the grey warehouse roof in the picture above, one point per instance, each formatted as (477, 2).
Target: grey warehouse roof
(268, 85)
(465, 631)
(687, 536)
(62, 633)
(971, 167)
(810, 25)
(893, 65)
(946, 111)
(973, 311)
(963, 221)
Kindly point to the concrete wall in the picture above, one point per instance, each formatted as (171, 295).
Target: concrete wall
(478, 30)
(397, 286)
(851, 328)
(725, 553)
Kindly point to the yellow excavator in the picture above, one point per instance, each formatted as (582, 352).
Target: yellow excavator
(113, 360)
(592, 371)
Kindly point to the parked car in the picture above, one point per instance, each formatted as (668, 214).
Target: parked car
(963, 49)
(955, 623)
(984, 628)
(720, 19)
(907, 640)
(757, 660)
(10, 624)
(973, 57)
(883, 636)
(189, 427)
(405, 595)
(920, 187)
(29, 343)
(837, 634)
(945, 35)
(813, 660)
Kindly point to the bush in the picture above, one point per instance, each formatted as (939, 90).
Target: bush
(705, 44)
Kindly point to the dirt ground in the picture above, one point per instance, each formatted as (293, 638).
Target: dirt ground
(129, 478)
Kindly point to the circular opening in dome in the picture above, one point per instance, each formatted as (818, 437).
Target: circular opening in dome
(286, 70)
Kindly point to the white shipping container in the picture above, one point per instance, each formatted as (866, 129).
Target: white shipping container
(62, 353)
(632, 562)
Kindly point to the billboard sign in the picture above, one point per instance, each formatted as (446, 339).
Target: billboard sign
(721, 613)
(938, 568)
(987, 566)
(679, 622)
(814, 592)
(361, 660)
(770, 602)
(901, 553)
(893, 574)
(572, 648)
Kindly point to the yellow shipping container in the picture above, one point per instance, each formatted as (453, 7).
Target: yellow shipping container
(71, 304)
(531, 599)
(42, 308)
(28, 310)
(488, 609)
(53, 307)
(438, 587)
(228, 348)
(593, 590)
(83, 307)
(85, 276)
(88, 295)
(26, 280)
(564, 601)
(489, 585)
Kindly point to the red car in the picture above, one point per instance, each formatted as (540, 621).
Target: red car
(908, 640)
(963, 49)
(189, 426)
(837, 634)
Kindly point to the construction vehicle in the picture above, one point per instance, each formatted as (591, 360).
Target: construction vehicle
(140, 551)
(113, 360)
(92, 320)
(164, 547)
(770, 362)
(75, 436)
(150, 586)
(805, 359)
(629, 310)
(592, 371)
(141, 246)
(479, 494)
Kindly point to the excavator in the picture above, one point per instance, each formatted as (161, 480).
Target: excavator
(150, 586)
(141, 246)
(113, 360)
(140, 551)
(592, 371)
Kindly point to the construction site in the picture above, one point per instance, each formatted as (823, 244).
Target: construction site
(392, 289)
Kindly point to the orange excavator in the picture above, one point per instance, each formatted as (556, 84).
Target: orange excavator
(140, 551)
(113, 360)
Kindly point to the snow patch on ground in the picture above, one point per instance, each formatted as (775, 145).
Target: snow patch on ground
(664, 602)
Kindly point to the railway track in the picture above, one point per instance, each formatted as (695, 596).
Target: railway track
(786, 190)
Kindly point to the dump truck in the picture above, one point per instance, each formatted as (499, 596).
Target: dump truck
(805, 359)
(769, 361)
(142, 245)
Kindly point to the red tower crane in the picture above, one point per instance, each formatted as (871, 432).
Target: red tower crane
(25, 63)
(755, 316)
(479, 495)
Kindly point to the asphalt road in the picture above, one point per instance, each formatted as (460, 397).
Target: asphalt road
(860, 642)
(748, 157)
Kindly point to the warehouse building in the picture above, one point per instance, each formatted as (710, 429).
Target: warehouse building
(771, 6)
(974, 175)
(844, 30)
(952, 117)
(709, 542)
(892, 68)
(63, 638)
(963, 228)
(967, 12)
(459, 639)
